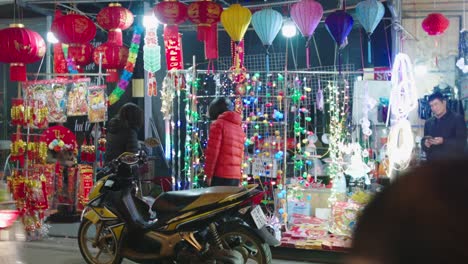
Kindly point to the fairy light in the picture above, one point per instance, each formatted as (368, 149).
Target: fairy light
(403, 99)
(337, 107)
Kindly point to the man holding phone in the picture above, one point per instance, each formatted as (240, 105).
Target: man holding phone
(444, 133)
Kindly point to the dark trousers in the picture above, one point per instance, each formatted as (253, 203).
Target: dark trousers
(218, 181)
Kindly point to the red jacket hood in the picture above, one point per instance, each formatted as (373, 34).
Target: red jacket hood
(232, 117)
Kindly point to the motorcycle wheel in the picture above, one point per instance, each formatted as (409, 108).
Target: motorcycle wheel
(247, 243)
(97, 244)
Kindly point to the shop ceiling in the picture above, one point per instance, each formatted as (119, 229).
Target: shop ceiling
(38, 8)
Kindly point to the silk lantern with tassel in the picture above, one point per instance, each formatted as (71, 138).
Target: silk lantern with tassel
(236, 19)
(307, 15)
(267, 24)
(20, 46)
(370, 13)
(339, 25)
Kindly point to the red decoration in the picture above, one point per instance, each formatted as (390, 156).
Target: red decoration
(20, 46)
(435, 24)
(60, 64)
(73, 28)
(114, 58)
(82, 54)
(115, 18)
(206, 15)
(171, 12)
(173, 45)
(60, 134)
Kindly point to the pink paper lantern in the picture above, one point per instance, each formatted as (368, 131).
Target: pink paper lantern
(307, 15)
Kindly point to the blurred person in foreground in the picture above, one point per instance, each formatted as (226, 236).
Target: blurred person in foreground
(225, 148)
(122, 131)
(422, 217)
(445, 132)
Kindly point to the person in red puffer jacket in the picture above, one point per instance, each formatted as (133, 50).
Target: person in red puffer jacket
(225, 148)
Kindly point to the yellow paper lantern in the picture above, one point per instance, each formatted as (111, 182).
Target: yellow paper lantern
(236, 19)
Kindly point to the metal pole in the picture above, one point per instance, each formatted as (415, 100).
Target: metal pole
(285, 128)
(193, 109)
(148, 107)
(396, 11)
(96, 124)
(48, 51)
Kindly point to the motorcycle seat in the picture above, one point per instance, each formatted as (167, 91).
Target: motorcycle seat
(179, 201)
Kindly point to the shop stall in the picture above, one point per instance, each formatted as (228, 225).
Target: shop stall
(320, 140)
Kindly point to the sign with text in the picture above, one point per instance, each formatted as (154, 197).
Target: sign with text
(264, 167)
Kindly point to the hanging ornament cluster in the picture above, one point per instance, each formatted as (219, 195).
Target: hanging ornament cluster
(435, 24)
(267, 24)
(74, 33)
(206, 15)
(370, 13)
(20, 46)
(88, 153)
(307, 15)
(112, 54)
(127, 72)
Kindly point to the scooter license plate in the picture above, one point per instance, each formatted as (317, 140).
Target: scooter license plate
(258, 217)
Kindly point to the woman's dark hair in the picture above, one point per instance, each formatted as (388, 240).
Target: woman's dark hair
(131, 116)
(218, 106)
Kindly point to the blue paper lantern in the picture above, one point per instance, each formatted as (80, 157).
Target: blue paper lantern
(370, 13)
(267, 24)
(339, 25)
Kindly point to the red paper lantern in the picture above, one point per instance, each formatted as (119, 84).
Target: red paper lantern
(204, 13)
(74, 28)
(114, 57)
(171, 12)
(20, 46)
(82, 54)
(115, 18)
(435, 24)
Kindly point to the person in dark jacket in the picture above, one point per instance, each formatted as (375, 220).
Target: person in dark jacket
(444, 133)
(122, 131)
(225, 148)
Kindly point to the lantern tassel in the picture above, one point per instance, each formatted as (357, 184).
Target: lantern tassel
(308, 53)
(369, 51)
(267, 60)
(339, 62)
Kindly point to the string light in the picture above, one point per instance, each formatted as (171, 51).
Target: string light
(403, 99)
